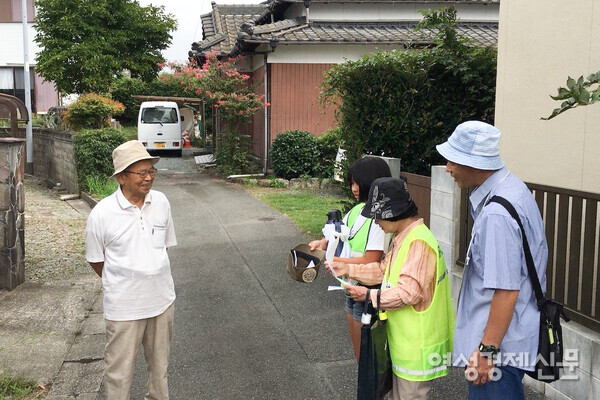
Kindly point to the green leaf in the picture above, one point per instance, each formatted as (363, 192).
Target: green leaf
(584, 97)
(562, 94)
(594, 78)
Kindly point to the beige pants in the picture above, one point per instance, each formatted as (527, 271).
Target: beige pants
(123, 342)
(408, 390)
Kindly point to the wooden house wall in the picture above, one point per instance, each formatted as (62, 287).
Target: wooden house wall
(295, 99)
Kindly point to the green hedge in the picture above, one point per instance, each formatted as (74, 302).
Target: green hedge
(93, 153)
(294, 154)
(328, 143)
(402, 103)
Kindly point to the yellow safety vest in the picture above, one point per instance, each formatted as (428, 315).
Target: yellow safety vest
(421, 341)
(358, 243)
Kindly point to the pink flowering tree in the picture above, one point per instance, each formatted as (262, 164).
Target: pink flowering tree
(228, 94)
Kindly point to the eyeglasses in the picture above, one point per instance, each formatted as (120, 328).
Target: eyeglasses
(143, 173)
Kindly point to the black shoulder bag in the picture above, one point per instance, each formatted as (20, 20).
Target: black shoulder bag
(549, 361)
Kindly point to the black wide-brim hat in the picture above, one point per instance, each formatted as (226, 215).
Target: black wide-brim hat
(388, 198)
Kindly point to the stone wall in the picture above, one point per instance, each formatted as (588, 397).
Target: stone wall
(581, 377)
(12, 205)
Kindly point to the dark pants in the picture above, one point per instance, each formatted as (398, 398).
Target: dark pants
(508, 387)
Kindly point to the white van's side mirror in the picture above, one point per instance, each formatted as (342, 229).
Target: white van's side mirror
(182, 118)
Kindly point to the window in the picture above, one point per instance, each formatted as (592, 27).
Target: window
(159, 115)
(12, 82)
(10, 11)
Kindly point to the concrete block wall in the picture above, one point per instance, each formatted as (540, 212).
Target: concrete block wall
(54, 158)
(581, 377)
(444, 221)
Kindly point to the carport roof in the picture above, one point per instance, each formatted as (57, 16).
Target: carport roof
(178, 100)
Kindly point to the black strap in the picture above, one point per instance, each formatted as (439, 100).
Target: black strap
(535, 281)
(306, 256)
(367, 300)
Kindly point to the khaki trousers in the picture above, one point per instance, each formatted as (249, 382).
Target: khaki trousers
(408, 390)
(123, 342)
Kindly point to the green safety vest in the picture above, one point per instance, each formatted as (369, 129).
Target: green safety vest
(421, 341)
(358, 242)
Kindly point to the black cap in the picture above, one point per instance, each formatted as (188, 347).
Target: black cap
(388, 198)
(334, 215)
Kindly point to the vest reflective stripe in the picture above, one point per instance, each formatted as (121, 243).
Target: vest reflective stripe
(417, 372)
(358, 242)
(421, 340)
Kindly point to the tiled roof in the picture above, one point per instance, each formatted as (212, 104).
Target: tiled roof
(221, 26)
(234, 29)
(297, 32)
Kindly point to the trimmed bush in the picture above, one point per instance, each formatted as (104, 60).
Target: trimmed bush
(328, 143)
(93, 153)
(92, 111)
(294, 154)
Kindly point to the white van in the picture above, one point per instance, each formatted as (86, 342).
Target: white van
(159, 126)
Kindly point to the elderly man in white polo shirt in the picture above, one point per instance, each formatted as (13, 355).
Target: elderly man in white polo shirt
(127, 236)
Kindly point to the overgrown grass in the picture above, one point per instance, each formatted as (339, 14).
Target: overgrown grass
(99, 186)
(307, 210)
(19, 388)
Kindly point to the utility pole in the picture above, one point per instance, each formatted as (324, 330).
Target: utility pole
(26, 79)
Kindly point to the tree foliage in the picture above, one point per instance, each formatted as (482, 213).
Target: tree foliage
(219, 83)
(122, 90)
(401, 104)
(577, 93)
(85, 44)
(92, 111)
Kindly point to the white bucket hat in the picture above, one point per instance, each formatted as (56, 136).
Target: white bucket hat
(128, 153)
(474, 144)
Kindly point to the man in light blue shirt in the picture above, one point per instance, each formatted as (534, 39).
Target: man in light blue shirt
(497, 320)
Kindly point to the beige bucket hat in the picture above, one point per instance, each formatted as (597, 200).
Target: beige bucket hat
(299, 259)
(128, 153)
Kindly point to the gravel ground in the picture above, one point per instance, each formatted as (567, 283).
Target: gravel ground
(54, 236)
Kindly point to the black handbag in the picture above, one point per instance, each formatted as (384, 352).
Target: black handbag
(375, 376)
(549, 361)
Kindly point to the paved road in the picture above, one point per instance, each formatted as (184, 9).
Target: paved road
(244, 329)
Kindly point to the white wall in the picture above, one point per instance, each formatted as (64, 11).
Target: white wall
(540, 43)
(324, 53)
(256, 61)
(388, 12)
(11, 44)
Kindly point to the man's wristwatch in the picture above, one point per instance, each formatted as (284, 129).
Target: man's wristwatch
(489, 351)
